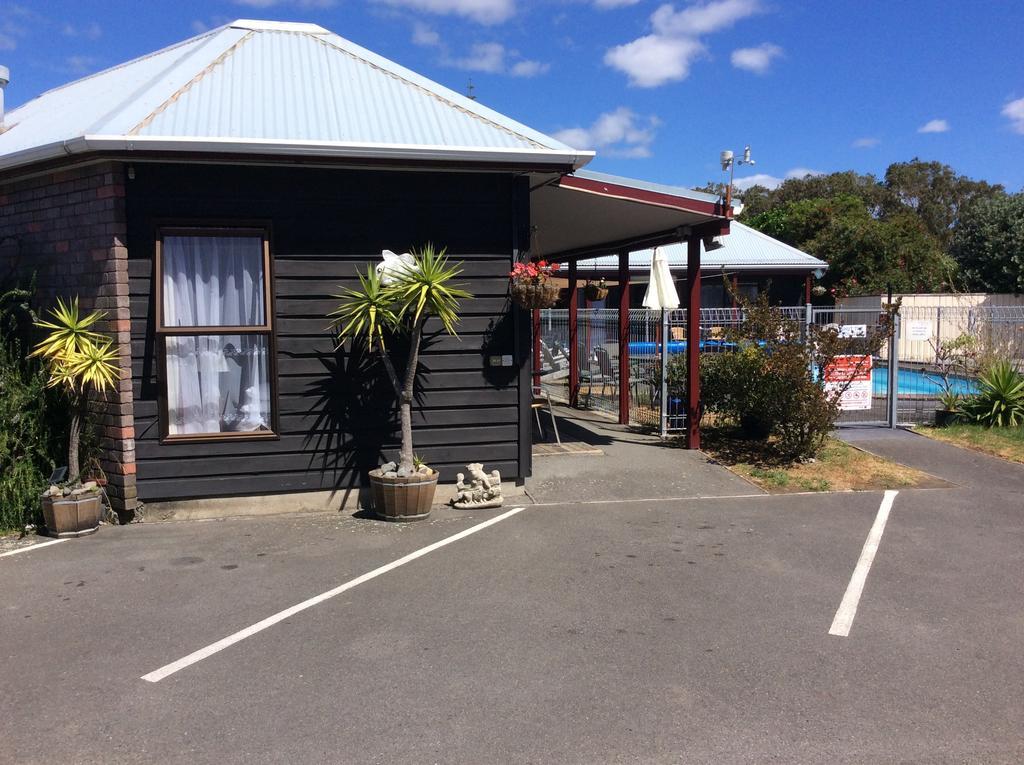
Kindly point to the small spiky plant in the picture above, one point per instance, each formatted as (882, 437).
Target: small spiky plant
(397, 302)
(81, 360)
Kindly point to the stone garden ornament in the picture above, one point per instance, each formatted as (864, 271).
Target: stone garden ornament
(482, 489)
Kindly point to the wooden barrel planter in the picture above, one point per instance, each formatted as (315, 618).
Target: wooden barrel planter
(72, 516)
(403, 499)
(528, 295)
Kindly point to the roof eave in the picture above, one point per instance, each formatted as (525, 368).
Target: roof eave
(284, 148)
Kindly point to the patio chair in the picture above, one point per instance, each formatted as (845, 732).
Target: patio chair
(553, 365)
(541, 400)
(604, 375)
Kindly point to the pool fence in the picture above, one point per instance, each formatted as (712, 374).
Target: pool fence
(907, 374)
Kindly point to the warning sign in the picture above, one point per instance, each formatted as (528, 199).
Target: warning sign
(854, 374)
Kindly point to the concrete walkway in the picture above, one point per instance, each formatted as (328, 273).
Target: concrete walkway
(964, 467)
(634, 466)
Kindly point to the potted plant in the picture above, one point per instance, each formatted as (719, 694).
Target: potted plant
(82, 361)
(530, 287)
(597, 291)
(398, 297)
(949, 408)
(954, 360)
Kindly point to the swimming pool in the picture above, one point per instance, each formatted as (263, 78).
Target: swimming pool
(912, 382)
(916, 382)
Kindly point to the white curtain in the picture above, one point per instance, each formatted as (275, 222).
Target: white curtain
(215, 383)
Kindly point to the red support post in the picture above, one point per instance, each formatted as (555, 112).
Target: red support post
(574, 346)
(624, 337)
(536, 347)
(807, 289)
(693, 342)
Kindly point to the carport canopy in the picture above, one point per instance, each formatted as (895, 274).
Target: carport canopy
(587, 214)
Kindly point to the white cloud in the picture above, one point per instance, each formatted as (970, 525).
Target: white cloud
(620, 133)
(772, 181)
(867, 142)
(1014, 111)
(758, 59)
(481, 11)
(605, 4)
(802, 172)
(934, 126)
(654, 60)
(666, 55)
(494, 58)
(527, 68)
(80, 64)
(483, 57)
(91, 31)
(424, 35)
(702, 18)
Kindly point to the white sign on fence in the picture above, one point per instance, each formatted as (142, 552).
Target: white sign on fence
(919, 329)
(854, 374)
(849, 330)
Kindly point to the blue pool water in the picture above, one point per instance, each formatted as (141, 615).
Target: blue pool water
(915, 382)
(911, 381)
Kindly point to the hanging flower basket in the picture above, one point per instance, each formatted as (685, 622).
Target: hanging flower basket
(530, 286)
(597, 291)
(531, 295)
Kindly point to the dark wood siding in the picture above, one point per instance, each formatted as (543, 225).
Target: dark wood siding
(337, 417)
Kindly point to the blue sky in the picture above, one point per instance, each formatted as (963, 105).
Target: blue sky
(659, 89)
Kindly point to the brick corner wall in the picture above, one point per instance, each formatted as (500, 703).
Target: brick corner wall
(68, 228)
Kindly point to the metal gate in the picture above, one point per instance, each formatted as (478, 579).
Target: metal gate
(854, 323)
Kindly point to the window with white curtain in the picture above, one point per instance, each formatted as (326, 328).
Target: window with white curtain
(215, 326)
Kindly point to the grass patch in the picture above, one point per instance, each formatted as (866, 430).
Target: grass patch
(839, 466)
(1007, 443)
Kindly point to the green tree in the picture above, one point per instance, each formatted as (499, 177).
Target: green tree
(935, 193)
(866, 254)
(864, 187)
(989, 244)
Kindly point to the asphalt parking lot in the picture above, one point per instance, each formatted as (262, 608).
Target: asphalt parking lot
(663, 631)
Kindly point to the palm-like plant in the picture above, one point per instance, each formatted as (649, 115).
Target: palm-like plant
(81, 360)
(999, 401)
(400, 301)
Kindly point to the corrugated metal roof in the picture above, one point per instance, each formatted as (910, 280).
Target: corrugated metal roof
(274, 87)
(743, 249)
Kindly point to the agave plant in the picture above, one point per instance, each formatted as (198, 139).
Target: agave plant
(999, 401)
(399, 299)
(81, 360)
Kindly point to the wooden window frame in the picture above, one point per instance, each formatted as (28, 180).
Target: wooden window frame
(267, 329)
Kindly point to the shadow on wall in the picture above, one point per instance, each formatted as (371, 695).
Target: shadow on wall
(354, 418)
(500, 340)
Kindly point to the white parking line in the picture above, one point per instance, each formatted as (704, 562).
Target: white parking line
(36, 546)
(169, 669)
(848, 607)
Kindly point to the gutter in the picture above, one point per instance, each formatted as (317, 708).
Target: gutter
(285, 148)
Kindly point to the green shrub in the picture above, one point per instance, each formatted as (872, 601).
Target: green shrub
(766, 385)
(999, 401)
(31, 426)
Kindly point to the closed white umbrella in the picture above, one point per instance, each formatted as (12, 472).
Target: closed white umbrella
(661, 290)
(661, 296)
